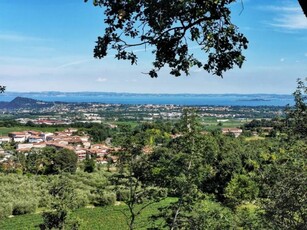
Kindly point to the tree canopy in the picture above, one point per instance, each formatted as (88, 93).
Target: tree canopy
(171, 28)
(304, 6)
(297, 115)
(2, 88)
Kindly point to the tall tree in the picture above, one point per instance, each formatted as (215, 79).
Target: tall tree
(63, 200)
(135, 194)
(170, 28)
(65, 160)
(297, 115)
(284, 187)
(89, 163)
(180, 169)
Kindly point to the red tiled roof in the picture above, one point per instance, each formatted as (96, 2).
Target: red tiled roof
(17, 133)
(35, 137)
(231, 130)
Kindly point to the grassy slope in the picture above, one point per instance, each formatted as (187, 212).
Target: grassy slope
(212, 124)
(254, 138)
(104, 218)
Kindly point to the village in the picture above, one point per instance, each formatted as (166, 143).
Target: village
(81, 145)
(27, 141)
(229, 120)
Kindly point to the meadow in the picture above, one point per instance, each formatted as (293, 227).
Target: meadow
(94, 218)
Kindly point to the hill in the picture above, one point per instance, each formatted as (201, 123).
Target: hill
(24, 103)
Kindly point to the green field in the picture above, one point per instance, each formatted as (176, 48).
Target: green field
(133, 124)
(101, 218)
(211, 124)
(254, 138)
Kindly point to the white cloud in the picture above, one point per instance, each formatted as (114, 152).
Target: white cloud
(288, 17)
(73, 63)
(282, 60)
(100, 79)
(283, 8)
(291, 21)
(305, 54)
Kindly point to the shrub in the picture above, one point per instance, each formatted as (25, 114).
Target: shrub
(249, 216)
(104, 198)
(122, 194)
(53, 220)
(240, 189)
(73, 223)
(22, 207)
(5, 210)
(81, 198)
(60, 220)
(211, 215)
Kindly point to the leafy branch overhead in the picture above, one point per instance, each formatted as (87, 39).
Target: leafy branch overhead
(2, 89)
(171, 28)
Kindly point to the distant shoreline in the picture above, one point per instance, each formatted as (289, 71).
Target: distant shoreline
(157, 99)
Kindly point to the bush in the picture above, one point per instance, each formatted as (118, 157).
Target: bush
(122, 194)
(73, 223)
(105, 198)
(27, 193)
(81, 198)
(53, 220)
(249, 216)
(21, 207)
(5, 210)
(211, 215)
(21, 192)
(241, 189)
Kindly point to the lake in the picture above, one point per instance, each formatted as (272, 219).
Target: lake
(177, 99)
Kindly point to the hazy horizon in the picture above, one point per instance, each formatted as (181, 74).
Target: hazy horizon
(48, 46)
(110, 92)
(157, 99)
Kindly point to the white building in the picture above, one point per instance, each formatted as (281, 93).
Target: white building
(5, 139)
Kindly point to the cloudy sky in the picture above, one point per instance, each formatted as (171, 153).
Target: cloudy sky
(48, 46)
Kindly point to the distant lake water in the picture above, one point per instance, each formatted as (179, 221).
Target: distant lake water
(161, 99)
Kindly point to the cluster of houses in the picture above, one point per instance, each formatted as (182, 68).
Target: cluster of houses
(26, 141)
(45, 121)
(81, 145)
(234, 131)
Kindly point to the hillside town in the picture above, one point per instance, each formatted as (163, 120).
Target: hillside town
(28, 141)
(81, 145)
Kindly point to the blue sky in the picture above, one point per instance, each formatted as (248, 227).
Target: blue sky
(48, 46)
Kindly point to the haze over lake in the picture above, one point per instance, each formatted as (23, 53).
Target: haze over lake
(177, 99)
